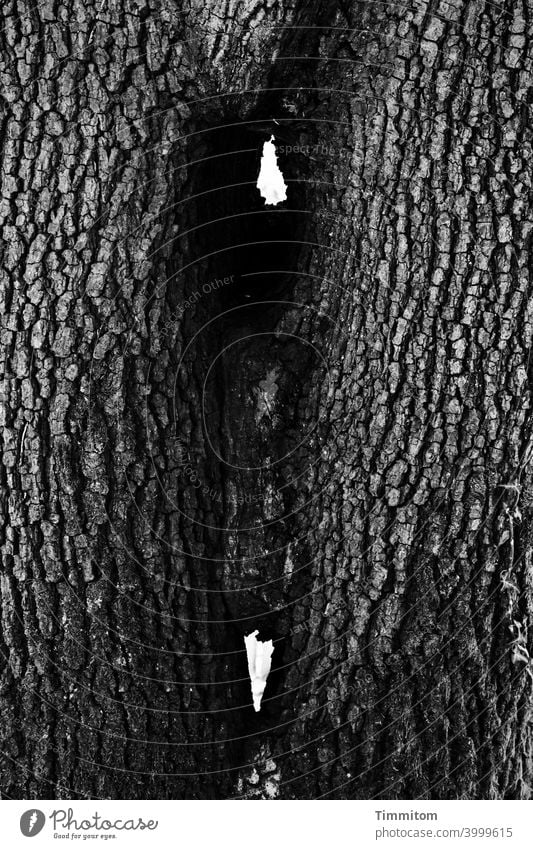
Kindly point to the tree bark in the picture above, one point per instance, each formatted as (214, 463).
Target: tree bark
(312, 420)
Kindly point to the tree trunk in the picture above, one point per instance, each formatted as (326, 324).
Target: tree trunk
(313, 420)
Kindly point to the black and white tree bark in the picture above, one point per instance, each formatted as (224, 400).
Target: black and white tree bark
(313, 419)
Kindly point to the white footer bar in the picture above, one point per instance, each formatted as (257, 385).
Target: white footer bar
(262, 825)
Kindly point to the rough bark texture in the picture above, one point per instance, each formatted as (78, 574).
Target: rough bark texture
(344, 466)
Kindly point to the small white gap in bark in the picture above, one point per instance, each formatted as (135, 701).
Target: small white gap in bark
(270, 181)
(259, 662)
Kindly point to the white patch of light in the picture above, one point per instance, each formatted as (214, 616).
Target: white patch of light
(259, 661)
(270, 181)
